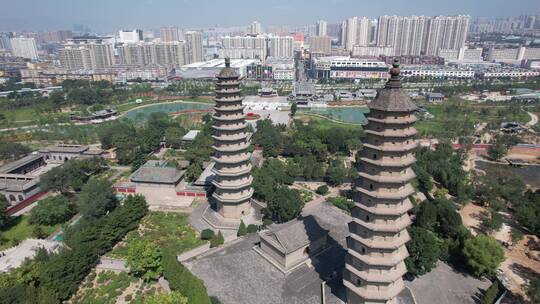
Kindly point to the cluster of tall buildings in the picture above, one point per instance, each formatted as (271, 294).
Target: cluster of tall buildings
(518, 24)
(256, 47)
(405, 35)
(87, 52)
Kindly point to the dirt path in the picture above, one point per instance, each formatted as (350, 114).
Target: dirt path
(534, 119)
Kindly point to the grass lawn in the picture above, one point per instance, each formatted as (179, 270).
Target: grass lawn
(164, 229)
(456, 117)
(146, 101)
(324, 123)
(20, 229)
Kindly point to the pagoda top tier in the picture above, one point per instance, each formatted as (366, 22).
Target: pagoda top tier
(227, 71)
(392, 98)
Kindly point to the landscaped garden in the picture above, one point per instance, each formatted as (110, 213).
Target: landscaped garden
(163, 229)
(19, 229)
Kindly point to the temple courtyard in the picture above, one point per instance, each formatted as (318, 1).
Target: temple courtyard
(236, 273)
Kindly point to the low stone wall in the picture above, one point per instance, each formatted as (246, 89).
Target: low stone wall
(193, 252)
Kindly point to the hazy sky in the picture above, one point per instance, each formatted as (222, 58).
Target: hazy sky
(111, 15)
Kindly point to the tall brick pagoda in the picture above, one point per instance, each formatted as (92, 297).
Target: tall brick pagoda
(374, 264)
(233, 168)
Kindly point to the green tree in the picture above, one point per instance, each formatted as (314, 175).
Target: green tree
(182, 280)
(144, 259)
(491, 293)
(492, 220)
(533, 290)
(448, 219)
(322, 190)
(424, 251)
(174, 297)
(4, 217)
(269, 137)
(483, 255)
(97, 198)
(426, 216)
(173, 136)
(194, 171)
(284, 205)
(12, 150)
(51, 211)
(242, 230)
(217, 240)
(424, 180)
(336, 173)
(294, 108)
(497, 151)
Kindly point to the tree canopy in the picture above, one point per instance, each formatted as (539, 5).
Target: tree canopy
(424, 251)
(97, 198)
(52, 210)
(483, 254)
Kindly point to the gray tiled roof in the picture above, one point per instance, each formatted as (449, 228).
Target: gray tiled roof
(228, 72)
(162, 175)
(295, 234)
(9, 167)
(392, 100)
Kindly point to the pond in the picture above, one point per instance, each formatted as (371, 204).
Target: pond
(348, 114)
(529, 174)
(170, 107)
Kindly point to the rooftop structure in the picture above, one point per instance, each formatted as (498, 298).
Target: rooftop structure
(190, 136)
(231, 143)
(292, 243)
(346, 67)
(374, 264)
(211, 68)
(157, 172)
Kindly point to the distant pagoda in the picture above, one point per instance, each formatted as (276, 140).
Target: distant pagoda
(233, 168)
(374, 264)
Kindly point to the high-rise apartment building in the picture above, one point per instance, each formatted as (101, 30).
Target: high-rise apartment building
(320, 44)
(254, 28)
(246, 47)
(5, 41)
(322, 28)
(86, 55)
(446, 32)
(130, 36)
(150, 54)
(169, 34)
(420, 35)
(374, 264)
(258, 47)
(280, 47)
(194, 46)
(24, 47)
(356, 32)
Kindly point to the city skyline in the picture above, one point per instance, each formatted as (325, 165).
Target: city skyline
(103, 16)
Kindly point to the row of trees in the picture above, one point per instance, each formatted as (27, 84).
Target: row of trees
(72, 175)
(133, 143)
(305, 140)
(438, 233)
(12, 150)
(54, 277)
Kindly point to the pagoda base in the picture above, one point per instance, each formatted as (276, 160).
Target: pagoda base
(217, 221)
(234, 211)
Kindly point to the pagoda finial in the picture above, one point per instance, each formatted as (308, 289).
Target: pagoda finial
(227, 62)
(394, 71)
(394, 81)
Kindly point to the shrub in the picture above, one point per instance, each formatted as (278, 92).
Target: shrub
(207, 234)
(322, 190)
(38, 232)
(217, 240)
(252, 229)
(342, 203)
(483, 255)
(242, 230)
(182, 280)
(491, 293)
